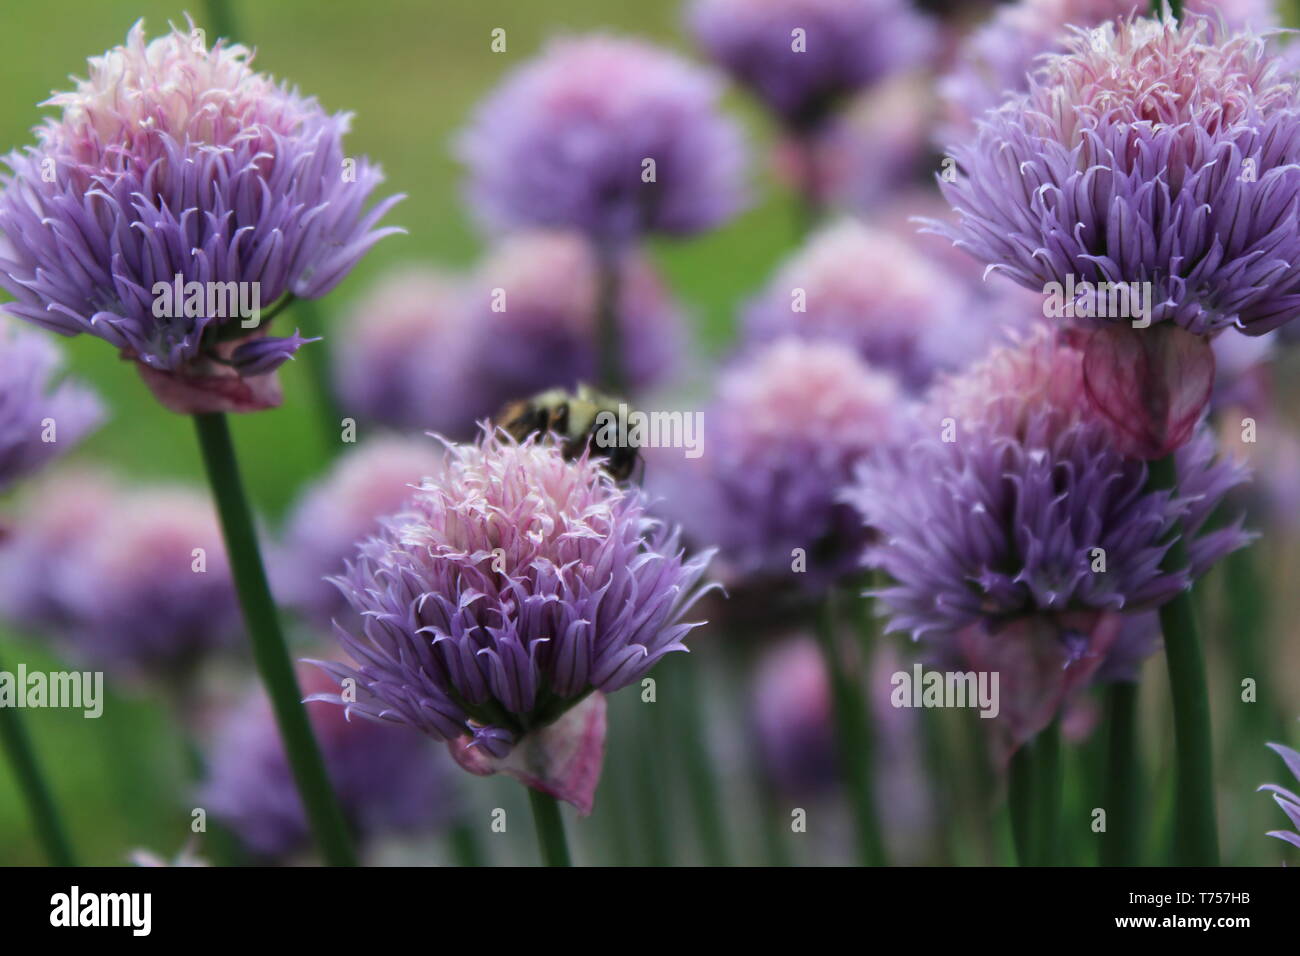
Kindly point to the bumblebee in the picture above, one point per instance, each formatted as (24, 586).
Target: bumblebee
(580, 420)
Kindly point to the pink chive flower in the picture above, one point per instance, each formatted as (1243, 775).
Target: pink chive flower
(996, 59)
(175, 159)
(511, 594)
(1025, 489)
(789, 423)
(872, 291)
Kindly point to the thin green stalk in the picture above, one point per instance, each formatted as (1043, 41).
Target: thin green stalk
(1035, 797)
(1196, 839)
(550, 829)
(1247, 614)
(1020, 796)
(40, 802)
(852, 735)
(1123, 781)
(269, 650)
(652, 792)
(1047, 803)
(220, 19)
(690, 733)
(809, 209)
(610, 374)
(466, 849)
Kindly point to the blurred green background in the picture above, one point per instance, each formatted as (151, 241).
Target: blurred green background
(411, 70)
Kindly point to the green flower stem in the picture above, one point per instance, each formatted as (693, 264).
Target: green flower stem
(1035, 796)
(22, 757)
(853, 740)
(269, 650)
(1123, 783)
(1196, 840)
(220, 19)
(550, 829)
(652, 792)
(696, 760)
(610, 374)
(466, 849)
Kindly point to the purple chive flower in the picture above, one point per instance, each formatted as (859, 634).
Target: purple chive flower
(534, 320)
(371, 482)
(793, 721)
(401, 354)
(564, 143)
(1286, 799)
(389, 780)
(41, 417)
(175, 160)
(143, 590)
(786, 429)
(1151, 152)
(514, 591)
(1023, 484)
(845, 45)
(996, 59)
(869, 289)
(38, 555)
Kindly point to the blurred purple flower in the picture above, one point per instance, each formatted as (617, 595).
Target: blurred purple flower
(341, 510)
(563, 143)
(1044, 665)
(1022, 483)
(1286, 799)
(400, 358)
(844, 46)
(173, 160)
(141, 589)
(787, 426)
(42, 415)
(996, 59)
(389, 780)
(39, 554)
(870, 290)
(534, 323)
(513, 592)
(878, 144)
(792, 719)
(1150, 152)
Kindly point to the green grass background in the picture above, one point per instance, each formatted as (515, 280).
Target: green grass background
(410, 71)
